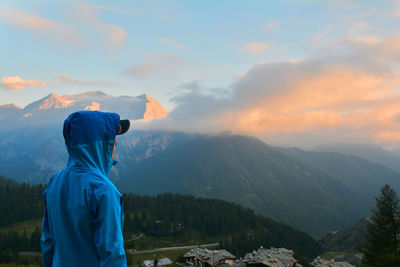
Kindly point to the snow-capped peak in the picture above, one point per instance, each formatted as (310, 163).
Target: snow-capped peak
(10, 106)
(54, 108)
(144, 97)
(97, 93)
(154, 109)
(52, 101)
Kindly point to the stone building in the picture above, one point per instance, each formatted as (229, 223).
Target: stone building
(319, 262)
(199, 257)
(273, 257)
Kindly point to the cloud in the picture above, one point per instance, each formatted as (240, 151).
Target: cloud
(114, 35)
(84, 14)
(345, 4)
(94, 106)
(17, 83)
(56, 32)
(125, 11)
(271, 26)
(312, 99)
(256, 47)
(66, 79)
(348, 93)
(156, 65)
(171, 42)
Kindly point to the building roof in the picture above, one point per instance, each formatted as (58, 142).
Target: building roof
(209, 256)
(269, 256)
(164, 261)
(319, 262)
(267, 261)
(148, 263)
(235, 264)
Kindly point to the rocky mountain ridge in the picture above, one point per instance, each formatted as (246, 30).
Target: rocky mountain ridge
(54, 108)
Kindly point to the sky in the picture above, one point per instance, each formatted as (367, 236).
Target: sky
(290, 72)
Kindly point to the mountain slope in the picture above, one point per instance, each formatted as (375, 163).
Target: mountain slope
(312, 191)
(348, 239)
(362, 175)
(247, 171)
(373, 153)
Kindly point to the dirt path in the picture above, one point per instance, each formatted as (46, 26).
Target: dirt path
(133, 252)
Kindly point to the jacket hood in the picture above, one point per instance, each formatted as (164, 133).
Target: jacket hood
(89, 137)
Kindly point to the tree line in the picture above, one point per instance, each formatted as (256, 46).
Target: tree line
(19, 201)
(240, 229)
(382, 242)
(162, 215)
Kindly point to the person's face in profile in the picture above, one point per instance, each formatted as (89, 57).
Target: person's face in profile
(115, 144)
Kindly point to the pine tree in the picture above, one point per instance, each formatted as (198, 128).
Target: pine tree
(382, 248)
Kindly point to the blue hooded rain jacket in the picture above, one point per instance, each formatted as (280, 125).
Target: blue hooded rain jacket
(83, 212)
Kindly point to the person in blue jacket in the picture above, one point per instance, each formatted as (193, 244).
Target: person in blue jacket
(83, 210)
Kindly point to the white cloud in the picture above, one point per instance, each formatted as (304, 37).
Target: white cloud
(345, 4)
(157, 65)
(66, 79)
(171, 42)
(256, 47)
(271, 26)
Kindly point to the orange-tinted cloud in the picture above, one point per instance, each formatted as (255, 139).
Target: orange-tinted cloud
(388, 137)
(17, 83)
(261, 121)
(114, 35)
(346, 94)
(55, 31)
(63, 33)
(336, 96)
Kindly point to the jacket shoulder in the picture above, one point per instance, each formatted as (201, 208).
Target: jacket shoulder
(102, 185)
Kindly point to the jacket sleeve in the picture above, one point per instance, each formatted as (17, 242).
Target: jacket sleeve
(107, 214)
(46, 240)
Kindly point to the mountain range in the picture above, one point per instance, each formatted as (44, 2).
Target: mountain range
(53, 109)
(371, 152)
(316, 192)
(312, 191)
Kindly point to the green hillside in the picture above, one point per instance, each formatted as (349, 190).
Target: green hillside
(346, 240)
(4, 180)
(20, 202)
(184, 217)
(162, 220)
(345, 244)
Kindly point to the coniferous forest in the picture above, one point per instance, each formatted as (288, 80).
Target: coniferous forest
(383, 228)
(238, 229)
